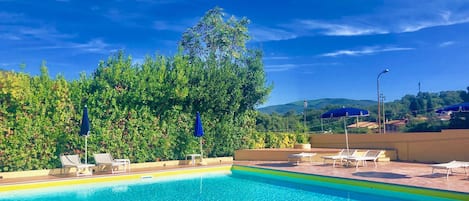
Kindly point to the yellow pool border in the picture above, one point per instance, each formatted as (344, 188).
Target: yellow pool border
(437, 193)
(228, 169)
(111, 178)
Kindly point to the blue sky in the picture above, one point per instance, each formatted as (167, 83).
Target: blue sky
(312, 49)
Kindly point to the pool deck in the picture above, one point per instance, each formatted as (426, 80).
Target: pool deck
(413, 174)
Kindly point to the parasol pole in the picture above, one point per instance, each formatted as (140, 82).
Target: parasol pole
(322, 126)
(346, 136)
(86, 149)
(201, 149)
(357, 121)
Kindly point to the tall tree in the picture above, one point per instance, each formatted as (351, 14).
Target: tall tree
(213, 37)
(430, 105)
(228, 77)
(415, 106)
(227, 80)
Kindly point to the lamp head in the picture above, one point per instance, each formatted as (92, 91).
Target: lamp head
(385, 70)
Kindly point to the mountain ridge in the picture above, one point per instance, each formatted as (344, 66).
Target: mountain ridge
(298, 106)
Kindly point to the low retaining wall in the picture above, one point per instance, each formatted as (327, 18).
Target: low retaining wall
(29, 185)
(428, 147)
(57, 171)
(277, 154)
(282, 154)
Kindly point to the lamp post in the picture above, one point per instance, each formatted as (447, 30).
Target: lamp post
(305, 104)
(377, 89)
(384, 113)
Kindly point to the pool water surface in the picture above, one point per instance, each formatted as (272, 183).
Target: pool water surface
(237, 185)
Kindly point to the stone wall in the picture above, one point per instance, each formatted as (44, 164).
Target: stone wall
(428, 147)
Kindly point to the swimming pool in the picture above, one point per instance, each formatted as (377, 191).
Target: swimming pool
(238, 183)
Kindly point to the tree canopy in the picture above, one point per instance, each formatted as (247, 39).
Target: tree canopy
(145, 111)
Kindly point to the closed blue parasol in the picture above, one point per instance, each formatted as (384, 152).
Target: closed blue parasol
(461, 107)
(199, 131)
(345, 112)
(85, 123)
(85, 130)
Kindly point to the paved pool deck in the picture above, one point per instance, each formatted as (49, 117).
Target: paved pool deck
(413, 174)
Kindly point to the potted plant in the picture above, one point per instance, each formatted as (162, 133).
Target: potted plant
(302, 142)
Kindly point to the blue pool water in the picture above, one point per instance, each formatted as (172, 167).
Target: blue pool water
(205, 187)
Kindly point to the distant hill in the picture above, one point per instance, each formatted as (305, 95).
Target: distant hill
(315, 104)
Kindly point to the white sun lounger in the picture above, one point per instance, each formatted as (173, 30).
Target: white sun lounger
(449, 166)
(105, 159)
(340, 157)
(297, 157)
(73, 161)
(370, 155)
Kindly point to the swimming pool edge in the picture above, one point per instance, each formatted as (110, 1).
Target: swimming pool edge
(111, 178)
(229, 169)
(356, 182)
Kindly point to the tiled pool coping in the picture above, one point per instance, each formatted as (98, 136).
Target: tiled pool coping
(228, 168)
(408, 174)
(402, 173)
(357, 183)
(110, 178)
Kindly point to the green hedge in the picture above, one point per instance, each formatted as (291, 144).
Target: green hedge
(141, 112)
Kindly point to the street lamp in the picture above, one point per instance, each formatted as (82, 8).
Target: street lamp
(377, 89)
(384, 113)
(305, 105)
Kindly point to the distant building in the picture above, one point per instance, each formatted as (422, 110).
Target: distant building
(395, 125)
(364, 124)
(445, 116)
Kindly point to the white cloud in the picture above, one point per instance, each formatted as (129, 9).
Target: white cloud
(332, 29)
(17, 26)
(160, 2)
(9, 36)
(445, 18)
(280, 67)
(95, 45)
(43, 33)
(387, 20)
(260, 33)
(365, 51)
(276, 58)
(446, 43)
(6, 64)
(398, 23)
(290, 66)
(44, 37)
(176, 26)
(30, 37)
